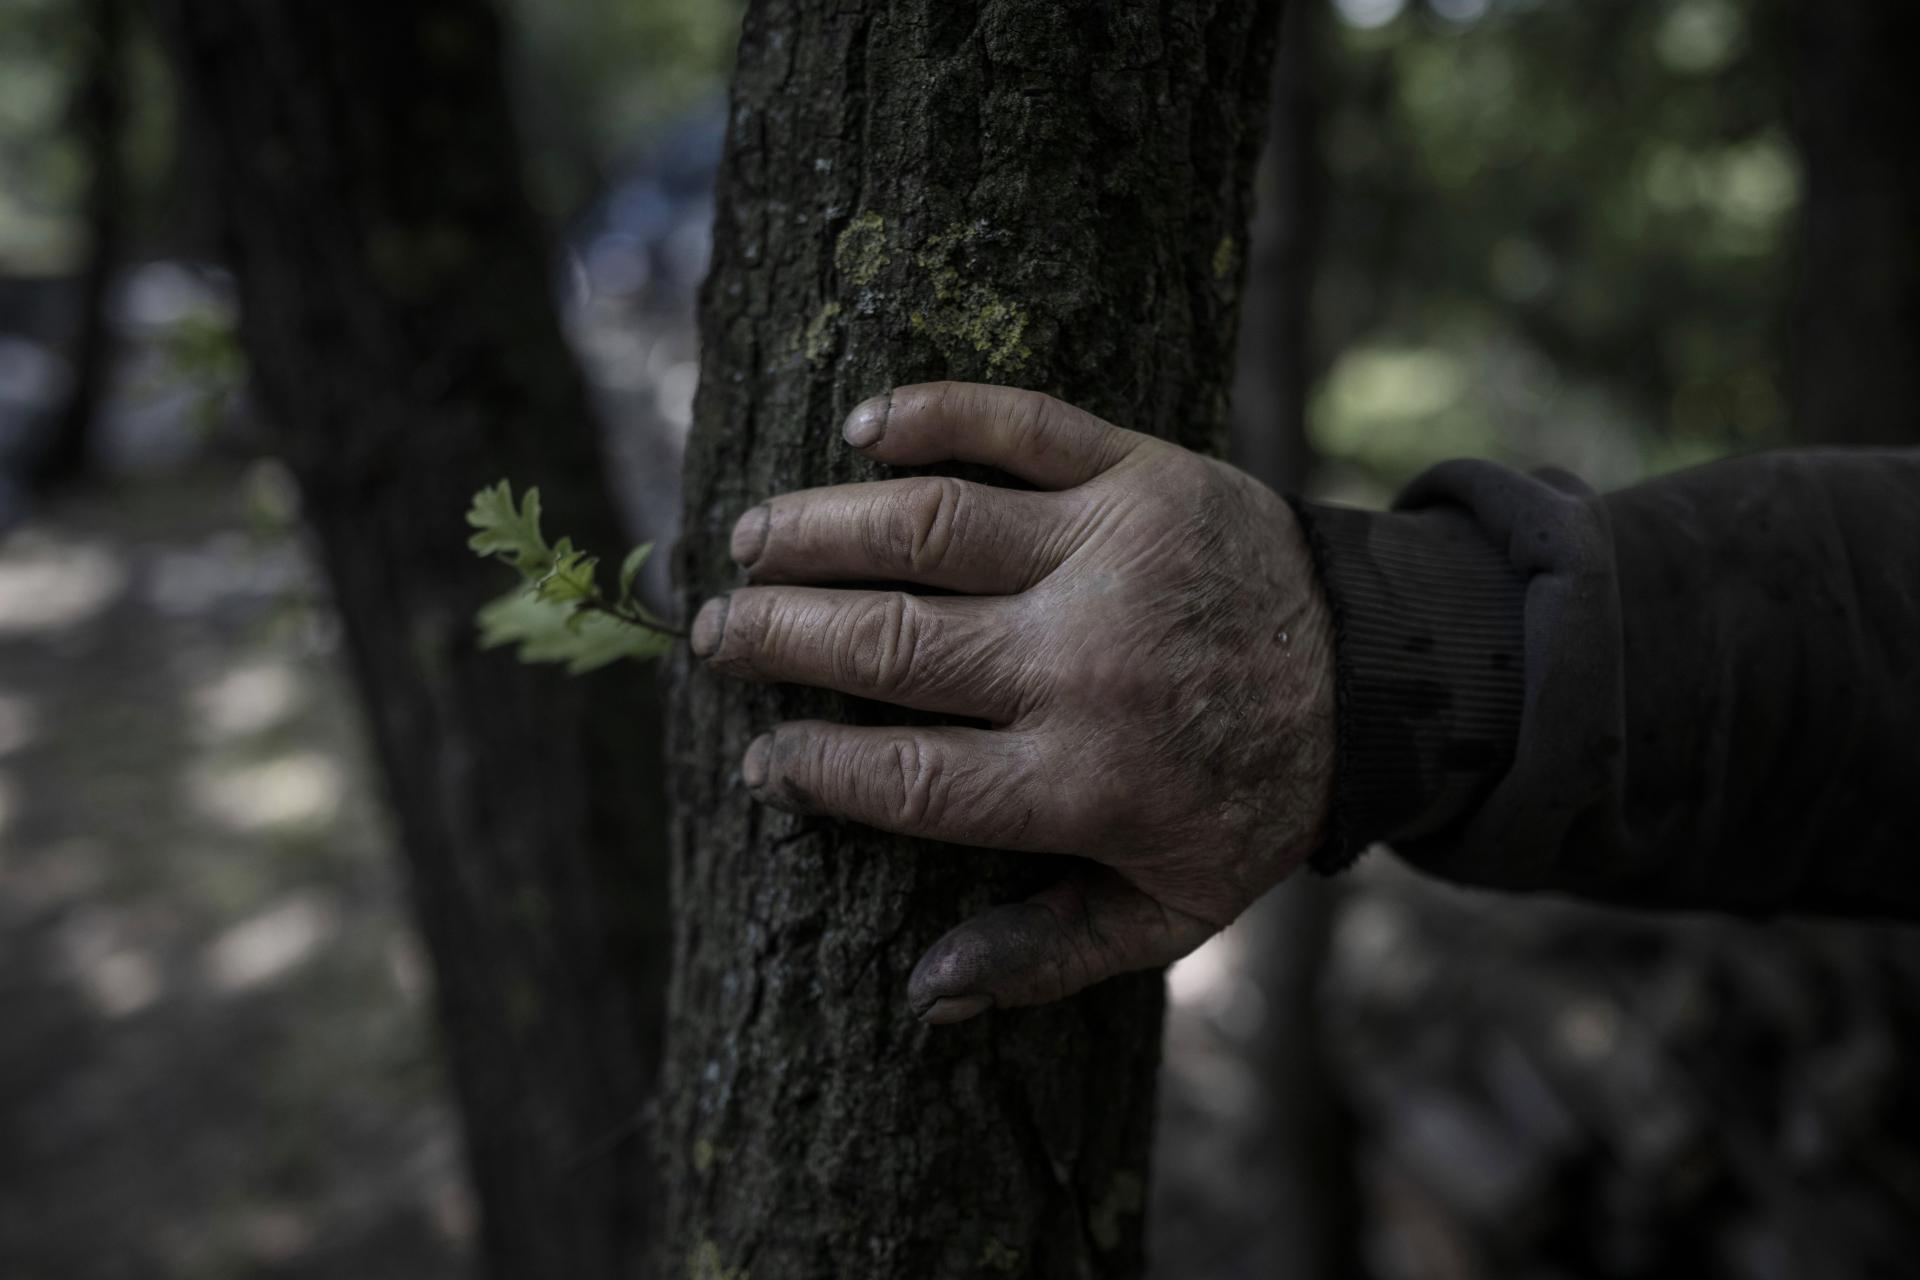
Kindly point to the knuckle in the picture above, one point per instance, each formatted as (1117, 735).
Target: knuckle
(884, 648)
(834, 769)
(921, 784)
(927, 520)
(775, 634)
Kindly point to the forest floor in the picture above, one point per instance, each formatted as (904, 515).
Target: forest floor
(215, 1052)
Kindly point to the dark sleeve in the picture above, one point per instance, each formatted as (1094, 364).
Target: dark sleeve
(1703, 691)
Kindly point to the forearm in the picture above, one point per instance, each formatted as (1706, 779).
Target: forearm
(1719, 687)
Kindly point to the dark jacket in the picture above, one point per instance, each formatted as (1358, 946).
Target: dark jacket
(1703, 691)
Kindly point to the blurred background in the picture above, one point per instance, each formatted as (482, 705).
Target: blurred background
(1616, 236)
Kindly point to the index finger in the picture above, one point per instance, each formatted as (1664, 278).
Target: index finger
(1044, 441)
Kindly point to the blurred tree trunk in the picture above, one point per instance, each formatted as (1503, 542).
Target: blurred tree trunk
(1053, 195)
(399, 326)
(1269, 433)
(97, 116)
(1298, 1143)
(1857, 320)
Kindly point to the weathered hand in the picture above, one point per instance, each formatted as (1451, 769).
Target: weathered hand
(1145, 636)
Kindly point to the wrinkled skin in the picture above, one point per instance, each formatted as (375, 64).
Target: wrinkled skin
(1144, 635)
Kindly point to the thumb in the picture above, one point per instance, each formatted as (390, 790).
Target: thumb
(1087, 928)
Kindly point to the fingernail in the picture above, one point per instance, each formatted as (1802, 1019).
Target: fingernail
(868, 421)
(708, 626)
(750, 535)
(955, 1009)
(753, 765)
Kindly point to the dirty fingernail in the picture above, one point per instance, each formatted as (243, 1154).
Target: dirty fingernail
(867, 421)
(753, 765)
(955, 1009)
(708, 626)
(750, 535)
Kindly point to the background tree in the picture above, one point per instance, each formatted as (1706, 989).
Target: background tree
(395, 292)
(98, 111)
(1299, 1139)
(1265, 1186)
(1054, 195)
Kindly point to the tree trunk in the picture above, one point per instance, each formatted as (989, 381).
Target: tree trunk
(398, 322)
(1053, 194)
(1269, 435)
(1857, 314)
(99, 118)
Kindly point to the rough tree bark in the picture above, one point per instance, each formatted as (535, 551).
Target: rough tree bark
(1052, 193)
(398, 323)
(1857, 313)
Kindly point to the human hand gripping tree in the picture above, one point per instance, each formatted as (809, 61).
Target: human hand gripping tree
(1140, 643)
(1137, 647)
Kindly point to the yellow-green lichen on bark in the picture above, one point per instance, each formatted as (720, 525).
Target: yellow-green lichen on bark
(1226, 259)
(703, 1156)
(860, 253)
(969, 315)
(817, 342)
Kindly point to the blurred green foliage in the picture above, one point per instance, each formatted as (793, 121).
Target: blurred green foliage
(200, 351)
(44, 170)
(1555, 232)
(597, 78)
(41, 169)
(594, 79)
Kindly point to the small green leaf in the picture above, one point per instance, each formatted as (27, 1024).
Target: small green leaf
(570, 580)
(548, 632)
(558, 614)
(630, 570)
(513, 534)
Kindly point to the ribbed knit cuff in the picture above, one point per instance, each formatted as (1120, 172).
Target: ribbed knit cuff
(1428, 669)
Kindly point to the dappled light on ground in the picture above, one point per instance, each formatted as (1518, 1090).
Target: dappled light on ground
(49, 584)
(272, 942)
(246, 700)
(105, 952)
(300, 789)
(216, 1057)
